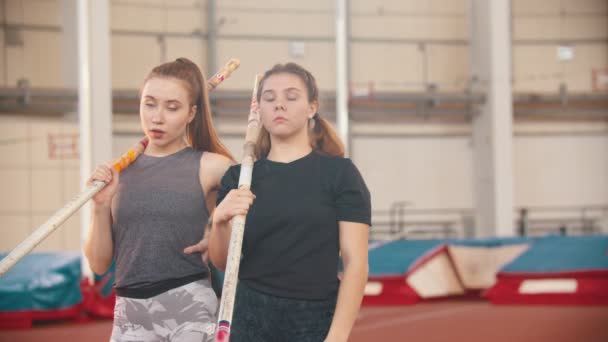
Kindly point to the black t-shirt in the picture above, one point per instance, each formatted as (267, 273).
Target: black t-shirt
(291, 241)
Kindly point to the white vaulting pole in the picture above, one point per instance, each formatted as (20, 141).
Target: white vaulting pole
(231, 276)
(66, 212)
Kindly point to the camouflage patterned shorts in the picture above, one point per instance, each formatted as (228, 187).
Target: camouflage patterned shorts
(187, 313)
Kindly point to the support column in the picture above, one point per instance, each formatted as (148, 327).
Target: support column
(492, 125)
(342, 72)
(94, 96)
(211, 37)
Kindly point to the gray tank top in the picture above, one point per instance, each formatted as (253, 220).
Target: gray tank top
(158, 210)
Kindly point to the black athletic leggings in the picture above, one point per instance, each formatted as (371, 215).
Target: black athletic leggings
(259, 317)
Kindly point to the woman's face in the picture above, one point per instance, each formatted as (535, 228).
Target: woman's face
(165, 111)
(284, 106)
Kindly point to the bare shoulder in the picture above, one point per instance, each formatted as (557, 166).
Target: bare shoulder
(214, 164)
(216, 159)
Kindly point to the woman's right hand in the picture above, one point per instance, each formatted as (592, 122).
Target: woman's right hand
(109, 175)
(236, 202)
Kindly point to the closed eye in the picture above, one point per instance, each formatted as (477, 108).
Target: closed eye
(292, 94)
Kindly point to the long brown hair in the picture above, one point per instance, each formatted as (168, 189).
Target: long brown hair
(201, 134)
(322, 136)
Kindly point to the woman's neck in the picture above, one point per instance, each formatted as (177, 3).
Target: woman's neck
(162, 151)
(285, 151)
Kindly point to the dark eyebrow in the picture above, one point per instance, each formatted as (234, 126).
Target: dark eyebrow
(286, 90)
(173, 101)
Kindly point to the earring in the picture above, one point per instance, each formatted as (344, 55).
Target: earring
(311, 123)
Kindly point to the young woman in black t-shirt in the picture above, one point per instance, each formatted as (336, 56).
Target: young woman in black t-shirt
(310, 205)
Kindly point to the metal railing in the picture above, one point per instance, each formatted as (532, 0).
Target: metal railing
(402, 221)
(563, 220)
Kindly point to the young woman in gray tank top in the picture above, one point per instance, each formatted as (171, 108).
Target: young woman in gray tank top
(151, 220)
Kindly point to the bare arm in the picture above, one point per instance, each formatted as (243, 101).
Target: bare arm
(213, 167)
(353, 246)
(236, 202)
(215, 241)
(98, 246)
(219, 238)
